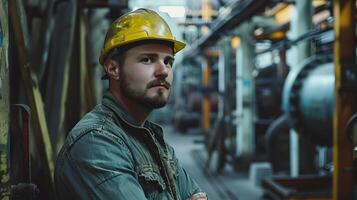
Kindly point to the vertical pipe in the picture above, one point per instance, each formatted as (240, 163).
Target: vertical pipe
(222, 62)
(239, 102)
(322, 156)
(294, 153)
(4, 103)
(300, 24)
(345, 97)
(245, 56)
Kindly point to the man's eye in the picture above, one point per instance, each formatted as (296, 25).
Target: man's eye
(146, 60)
(168, 62)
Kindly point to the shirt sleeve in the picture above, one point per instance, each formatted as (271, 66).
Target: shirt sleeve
(100, 166)
(186, 185)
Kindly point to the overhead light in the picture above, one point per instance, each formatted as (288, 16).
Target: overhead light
(174, 11)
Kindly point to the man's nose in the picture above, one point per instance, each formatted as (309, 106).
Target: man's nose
(162, 70)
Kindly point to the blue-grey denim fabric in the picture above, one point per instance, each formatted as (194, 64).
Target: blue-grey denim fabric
(108, 156)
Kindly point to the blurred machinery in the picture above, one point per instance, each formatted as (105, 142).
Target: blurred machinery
(261, 80)
(285, 104)
(308, 106)
(308, 99)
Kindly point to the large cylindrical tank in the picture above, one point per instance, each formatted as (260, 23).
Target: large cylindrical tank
(308, 99)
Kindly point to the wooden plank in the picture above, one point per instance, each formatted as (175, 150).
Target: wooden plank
(58, 72)
(45, 33)
(30, 82)
(345, 98)
(4, 103)
(87, 86)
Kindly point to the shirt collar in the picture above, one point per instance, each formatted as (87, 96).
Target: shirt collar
(110, 101)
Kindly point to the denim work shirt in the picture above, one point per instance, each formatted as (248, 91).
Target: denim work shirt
(107, 155)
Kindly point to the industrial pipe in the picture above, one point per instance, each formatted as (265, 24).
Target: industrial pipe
(308, 99)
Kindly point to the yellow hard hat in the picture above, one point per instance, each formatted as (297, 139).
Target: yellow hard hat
(141, 24)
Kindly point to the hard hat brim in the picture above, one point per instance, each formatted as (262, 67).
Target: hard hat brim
(177, 46)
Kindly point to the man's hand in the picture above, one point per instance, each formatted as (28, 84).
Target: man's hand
(198, 196)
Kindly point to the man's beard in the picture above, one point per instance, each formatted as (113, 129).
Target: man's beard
(140, 97)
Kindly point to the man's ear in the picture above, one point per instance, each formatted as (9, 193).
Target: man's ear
(112, 68)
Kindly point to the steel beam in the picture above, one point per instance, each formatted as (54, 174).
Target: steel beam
(206, 73)
(345, 97)
(123, 4)
(206, 104)
(235, 14)
(4, 103)
(30, 83)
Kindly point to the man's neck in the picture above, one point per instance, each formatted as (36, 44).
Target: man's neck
(135, 110)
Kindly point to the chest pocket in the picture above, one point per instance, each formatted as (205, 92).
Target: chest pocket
(150, 180)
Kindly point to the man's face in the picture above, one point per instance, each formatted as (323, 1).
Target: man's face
(146, 74)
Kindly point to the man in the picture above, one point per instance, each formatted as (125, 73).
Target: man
(114, 152)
